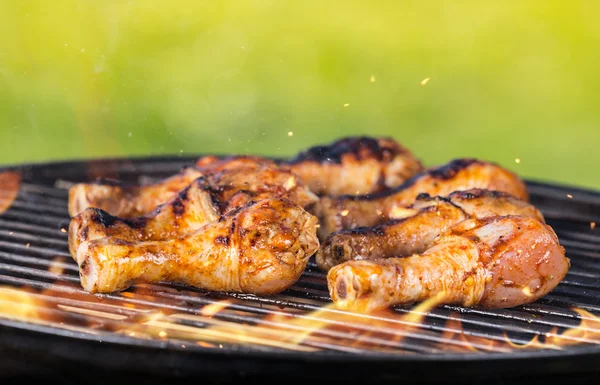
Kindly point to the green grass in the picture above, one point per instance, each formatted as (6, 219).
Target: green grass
(509, 79)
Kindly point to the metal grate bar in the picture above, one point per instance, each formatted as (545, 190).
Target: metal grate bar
(34, 255)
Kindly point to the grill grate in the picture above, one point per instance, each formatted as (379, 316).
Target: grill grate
(35, 258)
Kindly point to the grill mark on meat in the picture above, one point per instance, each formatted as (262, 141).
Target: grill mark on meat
(222, 240)
(441, 173)
(361, 147)
(103, 218)
(479, 193)
(85, 266)
(449, 170)
(178, 206)
(136, 223)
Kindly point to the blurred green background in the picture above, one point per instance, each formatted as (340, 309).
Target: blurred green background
(507, 79)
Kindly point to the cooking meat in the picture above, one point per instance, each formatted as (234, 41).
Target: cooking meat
(192, 208)
(236, 186)
(128, 200)
(496, 262)
(203, 201)
(355, 165)
(346, 212)
(415, 234)
(261, 248)
(211, 163)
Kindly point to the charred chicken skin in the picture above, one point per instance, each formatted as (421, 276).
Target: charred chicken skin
(355, 165)
(415, 234)
(203, 201)
(128, 201)
(261, 248)
(348, 212)
(497, 262)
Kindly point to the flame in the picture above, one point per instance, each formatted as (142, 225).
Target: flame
(214, 308)
(10, 184)
(18, 304)
(156, 312)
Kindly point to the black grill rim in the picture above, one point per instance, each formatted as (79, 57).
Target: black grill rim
(578, 357)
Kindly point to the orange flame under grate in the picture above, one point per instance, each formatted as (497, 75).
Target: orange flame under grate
(39, 284)
(147, 313)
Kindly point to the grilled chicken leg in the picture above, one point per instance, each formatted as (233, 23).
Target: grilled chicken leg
(261, 248)
(128, 201)
(496, 262)
(347, 212)
(355, 165)
(203, 201)
(415, 234)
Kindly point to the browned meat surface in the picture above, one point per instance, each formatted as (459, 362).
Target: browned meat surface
(203, 201)
(128, 201)
(211, 163)
(347, 212)
(192, 208)
(497, 262)
(262, 248)
(415, 234)
(355, 165)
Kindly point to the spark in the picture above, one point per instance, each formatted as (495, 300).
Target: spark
(162, 334)
(592, 225)
(344, 212)
(27, 245)
(372, 79)
(290, 133)
(517, 160)
(63, 230)
(425, 81)
(346, 105)
(569, 196)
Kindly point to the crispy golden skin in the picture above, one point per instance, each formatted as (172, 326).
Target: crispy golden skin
(415, 234)
(192, 208)
(203, 201)
(355, 165)
(262, 248)
(211, 163)
(497, 262)
(348, 212)
(128, 201)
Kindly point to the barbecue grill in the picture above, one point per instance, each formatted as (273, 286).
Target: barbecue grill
(150, 333)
